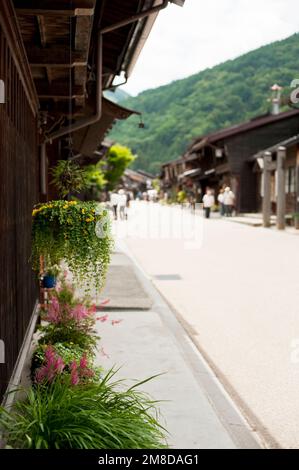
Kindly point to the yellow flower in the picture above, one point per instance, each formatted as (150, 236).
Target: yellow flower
(73, 203)
(36, 211)
(65, 206)
(83, 211)
(88, 220)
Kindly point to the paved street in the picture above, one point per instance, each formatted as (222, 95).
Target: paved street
(145, 340)
(237, 295)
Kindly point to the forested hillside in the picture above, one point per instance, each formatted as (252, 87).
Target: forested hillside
(214, 98)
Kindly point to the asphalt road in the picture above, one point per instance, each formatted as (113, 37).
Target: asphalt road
(235, 289)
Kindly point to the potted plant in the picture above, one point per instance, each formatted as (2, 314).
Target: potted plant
(68, 177)
(50, 277)
(76, 232)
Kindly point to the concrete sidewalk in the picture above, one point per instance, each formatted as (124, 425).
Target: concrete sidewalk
(144, 337)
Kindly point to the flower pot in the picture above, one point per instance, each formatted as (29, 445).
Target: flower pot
(49, 281)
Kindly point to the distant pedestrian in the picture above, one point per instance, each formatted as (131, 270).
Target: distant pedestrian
(229, 201)
(221, 202)
(114, 199)
(122, 204)
(208, 203)
(129, 197)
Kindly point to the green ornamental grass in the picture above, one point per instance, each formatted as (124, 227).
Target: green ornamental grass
(95, 416)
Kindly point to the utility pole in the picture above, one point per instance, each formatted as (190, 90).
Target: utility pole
(281, 196)
(267, 190)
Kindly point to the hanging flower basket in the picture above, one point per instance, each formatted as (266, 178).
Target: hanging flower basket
(76, 232)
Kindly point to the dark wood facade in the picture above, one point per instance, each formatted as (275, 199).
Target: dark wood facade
(291, 167)
(223, 158)
(18, 191)
(49, 51)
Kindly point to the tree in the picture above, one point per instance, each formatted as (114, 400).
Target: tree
(95, 179)
(117, 160)
(227, 94)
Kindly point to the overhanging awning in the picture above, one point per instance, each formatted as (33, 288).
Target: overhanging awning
(87, 140)
(191, 173)
(97, 155)
(285, 143)
(200, 145)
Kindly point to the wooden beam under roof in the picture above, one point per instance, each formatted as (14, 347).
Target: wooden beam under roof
(65, 108)
(59, 90)
(56, 56)
(58, 7)
(83, 32)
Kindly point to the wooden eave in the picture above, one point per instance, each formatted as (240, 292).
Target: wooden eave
(57, 36)
(86, 140)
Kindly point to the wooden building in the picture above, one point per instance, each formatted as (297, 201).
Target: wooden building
(224, 157)
(136, 181)
(291, 168)
(56, 58)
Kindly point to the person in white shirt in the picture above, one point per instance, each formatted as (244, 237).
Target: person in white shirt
(114, 199)
(229, 201)
(208, 202)
(122, 204)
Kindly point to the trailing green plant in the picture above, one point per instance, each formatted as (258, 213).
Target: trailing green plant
(96, 415)
(77, 232)
(68, 177)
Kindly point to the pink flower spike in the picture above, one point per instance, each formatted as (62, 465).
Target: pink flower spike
(73, 366)
(49, 354)
(59, 364)
(115, 322)
(74, 377)
(103, 303)
(103, 318)
(40, 374)
(92, 309)
(83, 362)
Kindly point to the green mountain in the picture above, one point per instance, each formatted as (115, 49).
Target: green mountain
(117, 96)
(226, 94)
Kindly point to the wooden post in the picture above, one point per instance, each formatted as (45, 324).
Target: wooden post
(267, 190)
(43, 169)
(281, 196)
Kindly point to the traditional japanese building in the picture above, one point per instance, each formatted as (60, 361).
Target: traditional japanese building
(224, 157)
(291, 168)
(56, 59)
